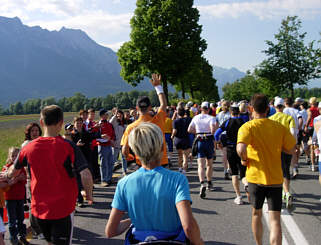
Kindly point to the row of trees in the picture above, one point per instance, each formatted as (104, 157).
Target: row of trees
(122, 100)
(289, 63)
(252, 83)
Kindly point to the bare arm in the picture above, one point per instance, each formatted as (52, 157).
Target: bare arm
(213, 128)
(241, 151)
(156, 81)
(174, 132)
(87, 182)
(191, 129)
(115, 226)
(125, 150)
(189, 223)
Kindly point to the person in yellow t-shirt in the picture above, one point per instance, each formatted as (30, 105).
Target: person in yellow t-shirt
(288, 122)
(143, 108)
(168, 128)
(259, 145)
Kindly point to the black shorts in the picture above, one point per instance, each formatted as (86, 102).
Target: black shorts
(300, 137)
(182, 143)
(310, 131)
(59, 231)
(235, 161)
(258, 193)
(286, 163)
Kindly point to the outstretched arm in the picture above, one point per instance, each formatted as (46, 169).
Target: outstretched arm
(157, 83)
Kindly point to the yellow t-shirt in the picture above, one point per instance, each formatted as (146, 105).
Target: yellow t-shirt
(285, 119)
(159, 120)
(168, 127)
(265, 140)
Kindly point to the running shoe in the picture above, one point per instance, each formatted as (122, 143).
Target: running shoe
(238, 200)
(23, 241)
(288, 200)
(295, 173)
(203, 191)
(210, 187)
(226, 176)
(283, 196)
(313, 168)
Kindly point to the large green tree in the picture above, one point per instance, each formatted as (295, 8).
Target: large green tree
(165, 38)
(289, 60)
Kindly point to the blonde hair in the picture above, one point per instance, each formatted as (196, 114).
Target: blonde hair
(146, 141)
(11, 151)
(243, 107)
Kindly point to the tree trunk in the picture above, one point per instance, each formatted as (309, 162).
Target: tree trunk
(292, 92)
(183, 89)
(192, 93)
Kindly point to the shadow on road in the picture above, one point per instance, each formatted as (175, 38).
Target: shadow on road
(218, 243)
(86, 237)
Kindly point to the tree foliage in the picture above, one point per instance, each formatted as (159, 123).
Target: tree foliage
(290, 61)
(165, 38)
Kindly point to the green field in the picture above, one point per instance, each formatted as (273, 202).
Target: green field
(12, 131)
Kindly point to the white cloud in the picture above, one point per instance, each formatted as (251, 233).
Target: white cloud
(263, 9)
(114, 46)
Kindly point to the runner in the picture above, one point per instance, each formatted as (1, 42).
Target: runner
(288, 102)
(168, 128)
(220, 118)
(317, 140)
(288, 122)
(143, 108)
(263, 161)
(181, 139)
(203, 125)
(231, 127)
(52, 161)
(313, 112)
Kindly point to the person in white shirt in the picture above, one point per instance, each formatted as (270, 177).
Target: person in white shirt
(298, 124)
(203, 125)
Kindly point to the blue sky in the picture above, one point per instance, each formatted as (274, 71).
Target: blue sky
(235, 30)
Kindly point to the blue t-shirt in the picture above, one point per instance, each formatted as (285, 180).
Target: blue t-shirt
(150, 198)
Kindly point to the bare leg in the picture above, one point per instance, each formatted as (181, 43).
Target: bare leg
(180, 157)
(209, 169)
(257, 226)
(286, 185)
(225, 165)
(236, 184)
(201, 169)
(185, 159)
(275, 228)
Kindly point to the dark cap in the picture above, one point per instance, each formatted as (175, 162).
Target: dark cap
(68, 126)
(143, 102)
(102, 112)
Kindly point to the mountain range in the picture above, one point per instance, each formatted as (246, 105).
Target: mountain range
(37, 63)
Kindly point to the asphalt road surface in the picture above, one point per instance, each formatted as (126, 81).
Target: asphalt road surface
(221, 221)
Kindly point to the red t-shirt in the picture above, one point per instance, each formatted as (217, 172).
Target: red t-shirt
(106, 128)
(18, 190)
(53, 190)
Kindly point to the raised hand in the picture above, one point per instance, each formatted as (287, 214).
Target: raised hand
(156, 79)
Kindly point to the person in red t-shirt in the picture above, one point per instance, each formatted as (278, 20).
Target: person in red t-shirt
(15, 196)
(53, 161)
(105, 149)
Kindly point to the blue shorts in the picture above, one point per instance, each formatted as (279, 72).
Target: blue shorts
(169, 142)
(320, 167)
(205, 149)
(191, 139)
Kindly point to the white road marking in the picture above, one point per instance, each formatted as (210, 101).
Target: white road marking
(291, 226)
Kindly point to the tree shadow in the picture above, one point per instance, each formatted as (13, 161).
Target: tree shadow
(81, 236)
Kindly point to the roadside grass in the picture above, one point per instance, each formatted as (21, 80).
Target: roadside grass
(12, 131)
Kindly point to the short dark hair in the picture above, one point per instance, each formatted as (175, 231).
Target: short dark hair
(78, 119)
(51, 115)
(143, 103)
(181, 112)
(81, 112)
(91, 110)
(28, 130)
(234, 110)
(305, 105)
(288, 101)
(260, 103)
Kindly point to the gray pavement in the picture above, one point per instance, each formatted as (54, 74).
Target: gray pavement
(221, 221)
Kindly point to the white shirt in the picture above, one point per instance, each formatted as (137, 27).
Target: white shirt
(304, 115)
(202, 123)
(293, 113)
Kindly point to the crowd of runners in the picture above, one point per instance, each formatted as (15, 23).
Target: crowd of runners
(261, 142)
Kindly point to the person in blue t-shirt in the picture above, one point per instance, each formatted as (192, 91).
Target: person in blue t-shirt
(156, 199)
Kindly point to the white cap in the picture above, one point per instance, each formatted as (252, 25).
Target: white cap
(190, 104)
(235, 105)
(205, 104)
(298, 99)
(278, 101)
(212, 104)
(319, 106)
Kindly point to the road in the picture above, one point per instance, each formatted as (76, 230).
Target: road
(221, 221)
